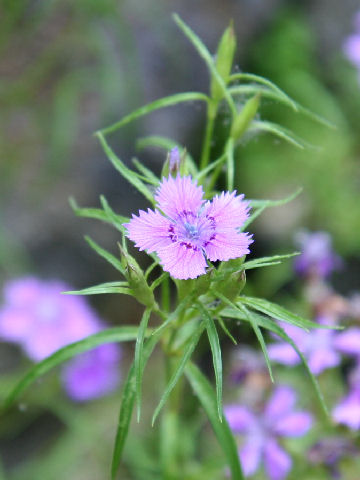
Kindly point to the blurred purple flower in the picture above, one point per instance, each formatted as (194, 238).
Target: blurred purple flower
(41, 320)
(352, 49)
(351, 45)
(246, 361)
(187, 230)
(263, 430)
(329, 452)
(347, 412)
(317, 256)
(321, 347)
(92, 374)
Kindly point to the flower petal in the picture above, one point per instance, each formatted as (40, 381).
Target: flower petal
(348, 341)
(92, 374)
(228, 210)
(176, 195)
(227, 245)
(348, 411)
(15, 324)
(250, 456)
(182, 262)
(240, 419)
(322, 358)
(277, 461)
(149, 231)
(280, 402)
(293, 424)
(283, 353)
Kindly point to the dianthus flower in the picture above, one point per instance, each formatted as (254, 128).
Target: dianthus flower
(36, 316)
(351, 45)
(41, 320)
(92, 374)
(185, 230)
(347, 412)
(317, 256)
(262, 430)
(321, 347)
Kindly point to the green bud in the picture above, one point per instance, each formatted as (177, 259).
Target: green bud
(245, 117)
(136, 279)
(232, 286)
(231, 279)
(224, 61)
(199, 285)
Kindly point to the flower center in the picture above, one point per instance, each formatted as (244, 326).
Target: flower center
(192, 231)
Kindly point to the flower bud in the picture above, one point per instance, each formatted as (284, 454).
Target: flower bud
(224, 61)
(245, 117)
(231, 278)
(175, 163)
(135, 277)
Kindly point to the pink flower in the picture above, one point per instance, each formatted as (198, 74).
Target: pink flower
(347, 412)
(41, 320)
(92, 374)
(186, 230)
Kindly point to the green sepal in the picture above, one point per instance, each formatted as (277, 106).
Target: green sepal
(231, 278)
(136, 279)
(182, 168)
(199, 285)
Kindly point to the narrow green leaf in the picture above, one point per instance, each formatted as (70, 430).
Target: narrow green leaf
(275, 203)
(150, 269)
(261, 341)
(266, 93)
(159, 280)
(190, 347)
(278, 131)
(174, 315)
(127, 406)
(280, 313)
(272, 326)
(111, 335)
(105, 254)
(261, 205)
(264, 81)
(216, 354)
(152, 178)
(156, 105)
(116, 220)
(226, 330)
(207, 57)
(254, 326)
(128, 174)
(125, 414)
(95, 213)
(139, 360)
(205, 394)
(209, 168)
(108, 287)
(265, 261)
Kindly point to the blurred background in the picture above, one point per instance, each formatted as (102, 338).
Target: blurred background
(69, 68)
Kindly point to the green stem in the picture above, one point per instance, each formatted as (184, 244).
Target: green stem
(228, 157)
(165, 295)
(210, 122)
(169, 451)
